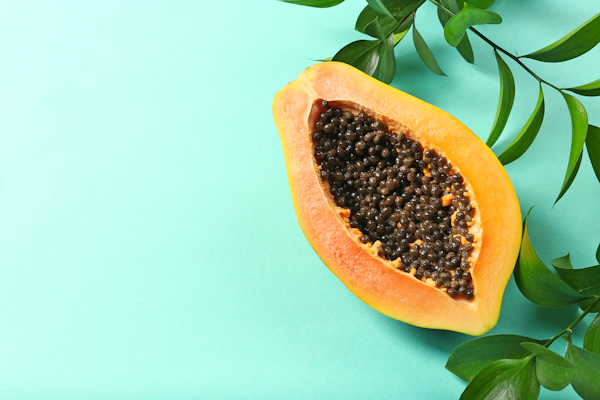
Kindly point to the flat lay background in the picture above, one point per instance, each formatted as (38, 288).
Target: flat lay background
(148, 243)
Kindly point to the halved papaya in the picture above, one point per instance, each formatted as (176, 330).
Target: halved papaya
(403, 203)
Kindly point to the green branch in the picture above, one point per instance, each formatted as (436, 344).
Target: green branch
(495, 46)
(570, 327)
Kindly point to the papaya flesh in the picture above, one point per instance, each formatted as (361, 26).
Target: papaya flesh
(382, 283)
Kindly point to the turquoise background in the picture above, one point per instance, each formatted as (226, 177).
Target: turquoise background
(148, 244)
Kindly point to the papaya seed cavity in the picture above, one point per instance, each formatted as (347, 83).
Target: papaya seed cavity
(408, 199)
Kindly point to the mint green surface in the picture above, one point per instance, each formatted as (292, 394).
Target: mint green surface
(148, 244)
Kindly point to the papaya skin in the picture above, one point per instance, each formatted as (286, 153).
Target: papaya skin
(372, 279)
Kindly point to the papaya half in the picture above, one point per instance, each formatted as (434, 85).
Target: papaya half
(403, 203)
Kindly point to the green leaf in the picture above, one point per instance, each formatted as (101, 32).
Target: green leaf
(443, 16)
(315, 3)
(464, 47)
(581, 279)
(453, 5)
(386, 68)
(576, 43)
(398, 37)
(402, 16)
(567, 183)
(362, 54)
(368, 15)
(591, 341)
(527, 135)
(469, 358)
(406, 23)
(584, 305)
(505, 379)
(587, 378)
(505, 102)
(598, 251)
(592, 144)
(567, 336)
(537, 283)
(579, 124)
(455, 29)
(565, 269)
(401, 9)
(552, 370)
(589, 89)
(425, 53)
(562, 262)
(374, 29)
(378, 6)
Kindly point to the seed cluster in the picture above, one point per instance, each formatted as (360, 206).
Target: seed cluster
(404, 196)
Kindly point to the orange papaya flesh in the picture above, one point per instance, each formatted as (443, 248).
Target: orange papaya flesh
(386, 284)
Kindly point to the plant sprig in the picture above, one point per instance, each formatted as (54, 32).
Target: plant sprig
(388, 21)
(506, 366)
(512, 358)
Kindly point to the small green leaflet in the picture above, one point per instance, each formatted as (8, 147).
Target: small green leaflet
(576, 43)
(456, 28)
(584, 305)
(375, 30)
(585, 280)
(315, 3)
(589, 89)
(579, 125)
(587, 378)
(464, 47)
(400, 9)
(378, 6)
(452, 5)
(351, 52)
(592, 144)
(362, 54)
(505, 102)
(591, 341)
(562, 262)
(398, 37)
(369, 15)
(425, 53)
(553, 371)
(469, 358)
(537, 283)
(400, 20)
(386, 65)
(527, 135)
(580, 279)
(567, 337)
(388, 24)
(568, 181)
(503, 378)
(386, 68)
(598, 251)
(406, 24)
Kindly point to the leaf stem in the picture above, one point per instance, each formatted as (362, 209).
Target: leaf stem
(495, 46)
(440, 6)
(514, 58)
(570, 327)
